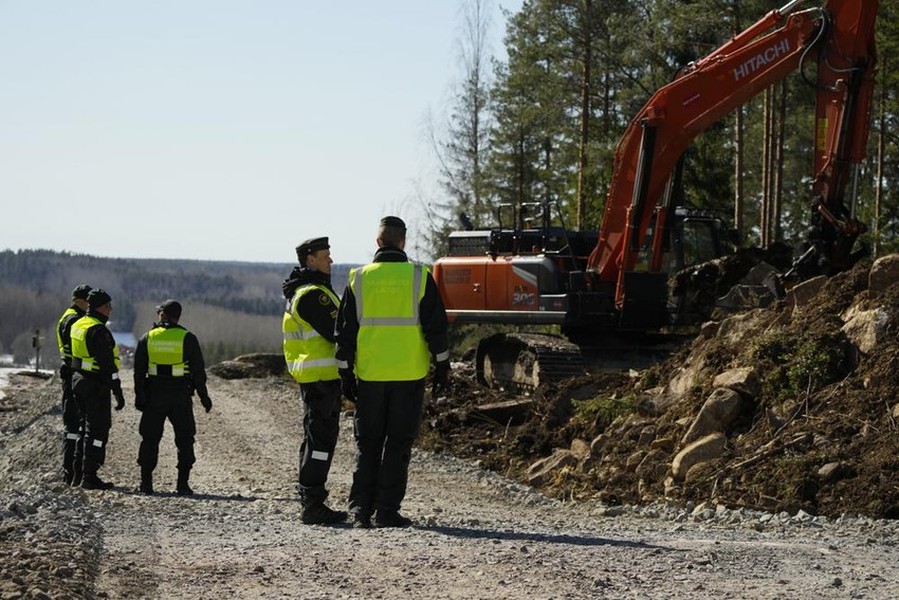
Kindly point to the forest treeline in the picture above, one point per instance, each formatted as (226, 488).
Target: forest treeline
(543, 123)
(233, 307)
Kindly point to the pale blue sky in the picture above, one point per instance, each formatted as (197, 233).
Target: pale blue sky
(219, 129)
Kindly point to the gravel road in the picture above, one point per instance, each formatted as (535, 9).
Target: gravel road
(476, 535)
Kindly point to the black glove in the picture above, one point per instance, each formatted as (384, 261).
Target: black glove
(348, 385)
(206, 401)
(140, 402)
(440, 383)
(119, 396)
(65, 370)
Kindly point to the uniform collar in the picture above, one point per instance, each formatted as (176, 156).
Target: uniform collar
(390, 254)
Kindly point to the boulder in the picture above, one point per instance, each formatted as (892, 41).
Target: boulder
(702, 450)
(884, 273)
(866, 329)
(541, 471)
(802, 293)
(580, 449)
(258, 365)
(717, 413)
(743, 380)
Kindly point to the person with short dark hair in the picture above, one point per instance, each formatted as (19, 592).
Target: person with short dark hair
(308, 332)
(390, 322)
(168, 368)
(72, 416)
(95, 378)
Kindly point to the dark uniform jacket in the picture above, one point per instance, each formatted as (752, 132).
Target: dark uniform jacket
(431, 313)
(316, 307)
(193, 356)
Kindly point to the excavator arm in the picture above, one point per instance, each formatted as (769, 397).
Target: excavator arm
(839, 35)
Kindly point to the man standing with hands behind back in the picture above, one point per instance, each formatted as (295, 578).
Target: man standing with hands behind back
(308, 332)
(391, 320)
(168, 367)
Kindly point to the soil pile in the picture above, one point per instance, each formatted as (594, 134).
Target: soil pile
(792, 407)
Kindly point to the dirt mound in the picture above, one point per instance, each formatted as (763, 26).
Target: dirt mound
(788, 408)
(248, 366)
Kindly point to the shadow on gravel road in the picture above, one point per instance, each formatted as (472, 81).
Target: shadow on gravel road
(574, 540)
(201, 496)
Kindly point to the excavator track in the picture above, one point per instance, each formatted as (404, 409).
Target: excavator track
(521, 362)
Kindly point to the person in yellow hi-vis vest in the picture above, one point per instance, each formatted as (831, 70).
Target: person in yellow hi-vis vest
(308, 333)
(95, 377)
(72, 418)
(168, 368)
(390, 322)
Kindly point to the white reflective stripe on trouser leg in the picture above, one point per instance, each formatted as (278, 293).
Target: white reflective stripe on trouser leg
(319, 455)
(73, 436)
(98, 443)
(442, 356)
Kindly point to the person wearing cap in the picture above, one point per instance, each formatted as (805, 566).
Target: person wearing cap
(95, 377)
(168, 368)
(391, 320)
(71, 414)
(308, 341)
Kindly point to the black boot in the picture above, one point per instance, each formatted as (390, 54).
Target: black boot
(92, 482)
(146, 481)
(183, 488)
(317, 513)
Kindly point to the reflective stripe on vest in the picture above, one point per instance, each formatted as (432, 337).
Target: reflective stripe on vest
(65, 346)
(308, 355)
(390, 345)
(81, 357)
(165, 348)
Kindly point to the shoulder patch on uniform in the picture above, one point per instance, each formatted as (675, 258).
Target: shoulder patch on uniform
(324, 300)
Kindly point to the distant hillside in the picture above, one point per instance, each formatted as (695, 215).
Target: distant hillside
(35, 287)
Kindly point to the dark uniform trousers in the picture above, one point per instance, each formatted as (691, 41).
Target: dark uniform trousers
(73, 423)
(93, 397)
(388, 420)
(321, 425)
(177, 407)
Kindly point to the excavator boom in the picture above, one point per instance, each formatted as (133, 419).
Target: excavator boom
(840, 35)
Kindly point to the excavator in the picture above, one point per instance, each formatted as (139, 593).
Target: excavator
(609, 290)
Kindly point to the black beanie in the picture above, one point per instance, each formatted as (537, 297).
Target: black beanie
(98, 298)
(81, 292)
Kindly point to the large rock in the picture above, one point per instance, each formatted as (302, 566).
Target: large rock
(884, 273)
(579, 448)
(541, 471)
(802, 293)
(717, 413)
(743, 380)
(246, 366)
(867, 329)
(702, 450)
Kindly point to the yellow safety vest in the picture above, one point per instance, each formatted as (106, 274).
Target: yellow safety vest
(65, 346)
(390, 345)
(308, 355)
(165, 348)
(82, 358)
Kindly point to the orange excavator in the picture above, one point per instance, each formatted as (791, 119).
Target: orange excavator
(607, 289)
